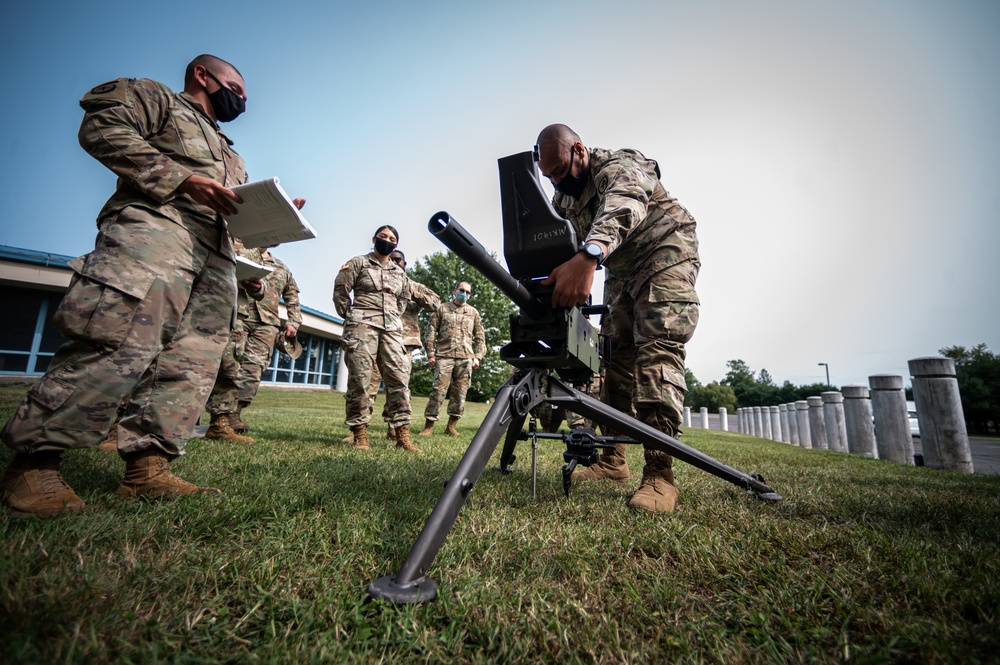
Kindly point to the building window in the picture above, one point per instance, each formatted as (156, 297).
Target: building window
(28, 340)
(317, 366)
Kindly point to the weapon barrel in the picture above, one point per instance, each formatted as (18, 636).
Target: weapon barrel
(457, 239)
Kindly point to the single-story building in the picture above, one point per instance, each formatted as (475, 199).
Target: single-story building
(32, 284)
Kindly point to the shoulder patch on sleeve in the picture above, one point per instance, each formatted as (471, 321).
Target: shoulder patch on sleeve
(346, 266)
(602, 185)
(113, 91)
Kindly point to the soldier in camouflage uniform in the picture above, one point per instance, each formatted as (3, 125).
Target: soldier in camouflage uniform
(223, 403)
(647, 242)
(373, 333)
(456, 343)
(150, 309)
(263, 325)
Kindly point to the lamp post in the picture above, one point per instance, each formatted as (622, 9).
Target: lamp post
(827, 372)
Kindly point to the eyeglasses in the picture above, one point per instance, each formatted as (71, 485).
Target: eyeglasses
(398, 260)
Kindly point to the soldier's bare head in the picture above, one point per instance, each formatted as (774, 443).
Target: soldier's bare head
(560, 153)
(463, 287)
(386, 232)
(398, 258)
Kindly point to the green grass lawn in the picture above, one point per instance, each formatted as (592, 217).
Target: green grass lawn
(864, 561)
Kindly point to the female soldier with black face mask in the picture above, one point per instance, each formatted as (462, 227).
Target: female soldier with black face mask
(373, 333)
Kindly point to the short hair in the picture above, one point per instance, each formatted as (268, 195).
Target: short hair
(386, 226)
(208, 62)
(397, 251)
(458, 284)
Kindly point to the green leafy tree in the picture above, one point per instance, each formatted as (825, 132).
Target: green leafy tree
(978, 373)
(441, 272)
(712, 396)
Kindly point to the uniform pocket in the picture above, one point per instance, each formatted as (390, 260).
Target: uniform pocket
(103, 297)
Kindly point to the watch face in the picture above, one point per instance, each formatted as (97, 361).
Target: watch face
(593, 251)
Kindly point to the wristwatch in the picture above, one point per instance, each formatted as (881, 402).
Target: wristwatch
(593, 251)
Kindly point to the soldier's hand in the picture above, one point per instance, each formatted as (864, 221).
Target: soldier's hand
(475, 363)
(573, 280)
(252, 285)
(210, 193)
(290, 330)
(431, 361)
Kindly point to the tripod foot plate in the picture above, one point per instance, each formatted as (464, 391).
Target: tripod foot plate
(419, 591)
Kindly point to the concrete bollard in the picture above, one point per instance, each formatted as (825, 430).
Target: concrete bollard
(833, 416)
(775, 424)
(793, 425)
(765, 420)
(943, 435)
(758, 426)
(892, 422)
(817, 423)
(783, 417)
(687, 416)
(723, 419)
(858, 420)
(802, 422)
(704, 417)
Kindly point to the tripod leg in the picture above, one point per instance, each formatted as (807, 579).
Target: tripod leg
(513, 435)
(411, 585)
(607, 416)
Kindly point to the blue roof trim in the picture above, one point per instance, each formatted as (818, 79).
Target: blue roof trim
(35, 258)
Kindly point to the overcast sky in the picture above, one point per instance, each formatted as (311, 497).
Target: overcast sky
(842, 159)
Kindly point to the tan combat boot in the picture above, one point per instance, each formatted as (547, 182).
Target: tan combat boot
(657, 492)
(403, 439)
(221, 430)
(611, 466)
(110, 443)
(391, 434)
(236, 419)
(428, 428)
(360, 433)
(147, 473)
(450, 429)
(32, 485)
(349, 438)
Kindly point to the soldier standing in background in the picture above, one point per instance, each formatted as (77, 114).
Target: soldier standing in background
(263, 326)
(456, 343)
(149, 311)
(223, 403)
(373, 334)
(648, 243)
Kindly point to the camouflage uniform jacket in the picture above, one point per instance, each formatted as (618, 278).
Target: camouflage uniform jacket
(380, 293)
(456, 331)
(625, 206)
(421, 298)
(280, 285)
(154, 139)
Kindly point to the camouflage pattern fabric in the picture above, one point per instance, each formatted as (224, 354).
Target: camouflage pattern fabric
(652, 266)
(149, 311)
(225, 395)
(451, 379)
(373, 334)
(455, 337)
(264, 324)
(456, 331)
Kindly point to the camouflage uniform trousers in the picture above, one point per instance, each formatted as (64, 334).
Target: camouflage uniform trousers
(452, 377)
(148, 312)
(365, 347)
(377, 380)
(256, 358)
(225, 394)
(647, 334)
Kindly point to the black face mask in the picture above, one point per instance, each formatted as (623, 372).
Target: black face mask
(384, 247)
(571, 185)
(226, 103)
